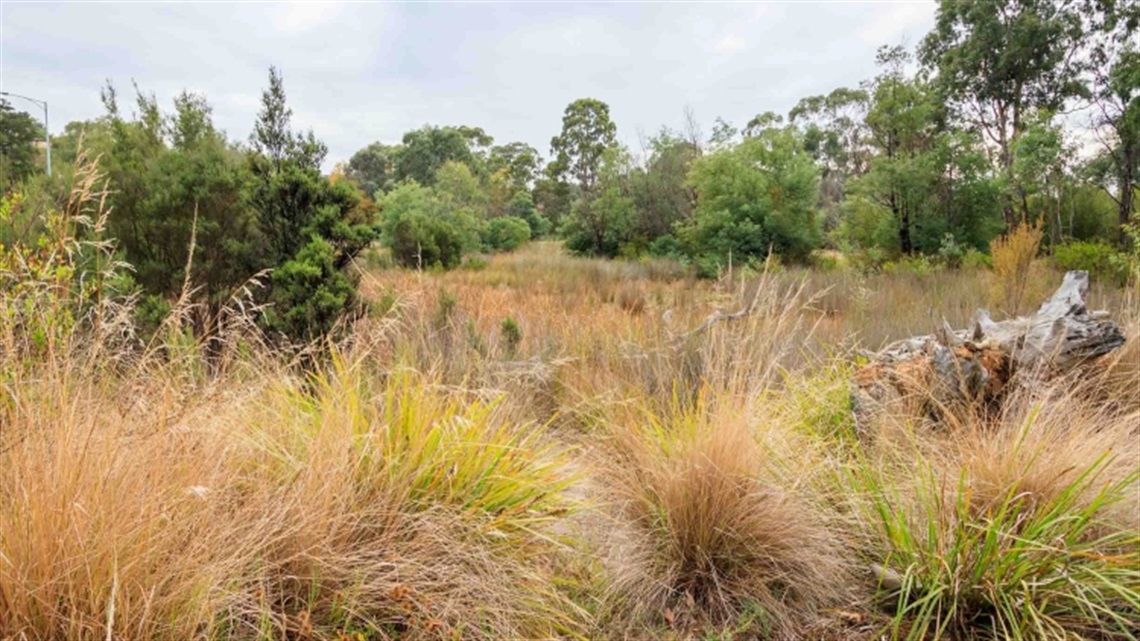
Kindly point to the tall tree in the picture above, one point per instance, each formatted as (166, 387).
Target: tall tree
(373, 168)
(1115, 80)
(922, 181)
(18, 135)
(660, 188)
(426, 149)
(997, 61)
(271, 135)
(605, 223)
(900, 121)
(521, 161)
(834, 130)
(313, 227)
(835, 134)
(174, 177)
(587, 132)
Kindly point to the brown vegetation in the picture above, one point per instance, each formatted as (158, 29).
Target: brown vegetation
(584, 475)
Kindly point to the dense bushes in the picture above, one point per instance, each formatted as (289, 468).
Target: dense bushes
(757, 196)
(417, 230)
(1097, 258)
(176, 185)
(506, 234)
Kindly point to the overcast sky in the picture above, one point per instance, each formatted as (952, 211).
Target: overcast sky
(357, 73)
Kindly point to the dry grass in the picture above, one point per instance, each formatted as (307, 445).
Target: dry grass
(589, 469)
(1013, 255)
(720, 534)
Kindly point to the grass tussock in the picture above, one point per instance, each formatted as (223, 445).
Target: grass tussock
(1026, 527)
(545, 447)
(720, 533)
(333, 504)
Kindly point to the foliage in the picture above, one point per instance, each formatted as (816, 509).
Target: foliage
(974, 259)
(998, 61)
(373, 168)
(522, 206)
(18, 135)
(419, 231)
(310, 293)
(313, 227)
(660, 189)
(1100, 260)
(521, 162)
(427, 149)
(605, 221)
(923, 182)
(506, 234)
(460, 191)
(756, 196)
(178, 185)
(587, 133)
(60, 279)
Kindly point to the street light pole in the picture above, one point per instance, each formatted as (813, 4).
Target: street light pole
(47, 132)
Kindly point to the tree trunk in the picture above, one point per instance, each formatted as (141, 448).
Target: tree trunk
(1128, 157)
(903, 217)
(954, 367)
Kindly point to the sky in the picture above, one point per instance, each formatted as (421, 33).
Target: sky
(361, 72)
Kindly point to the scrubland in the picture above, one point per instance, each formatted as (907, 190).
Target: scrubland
(540, 447)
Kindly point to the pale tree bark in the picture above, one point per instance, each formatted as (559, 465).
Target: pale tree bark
(949, 368)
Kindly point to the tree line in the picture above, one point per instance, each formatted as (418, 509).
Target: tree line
(1007, 111)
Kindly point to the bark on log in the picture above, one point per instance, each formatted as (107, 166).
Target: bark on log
(950, 367)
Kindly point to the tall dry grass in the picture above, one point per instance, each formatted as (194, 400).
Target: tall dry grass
(721, 533)
(1013, 254)
(600, 470)
(151, 497)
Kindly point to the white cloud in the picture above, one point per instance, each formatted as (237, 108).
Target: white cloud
(729, 43)
(299, 17)
(892, 23)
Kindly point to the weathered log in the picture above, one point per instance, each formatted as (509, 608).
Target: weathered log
(949, 367)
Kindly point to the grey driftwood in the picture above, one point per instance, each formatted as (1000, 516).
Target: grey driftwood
(951, 366)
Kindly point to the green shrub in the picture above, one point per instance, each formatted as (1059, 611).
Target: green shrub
(826, 261)
(506, 234)
(1097, 258)
(951, 252)
(512, 334)
(916, 265)
(869, 259)
(421, 232)
(974, 259)
(666, 246)
(600, 226)
(522, 206)
(309, 293)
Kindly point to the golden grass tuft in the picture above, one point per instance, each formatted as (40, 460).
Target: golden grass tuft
(1013, 255)
(718, 533)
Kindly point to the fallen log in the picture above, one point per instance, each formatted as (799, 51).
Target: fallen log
(950, 367)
